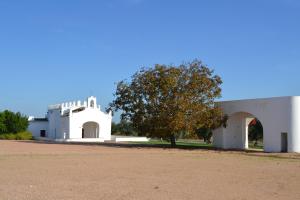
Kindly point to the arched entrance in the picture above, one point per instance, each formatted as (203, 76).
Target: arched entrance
(255, 134)
(279, 117)
(239, 125)
(90, 130)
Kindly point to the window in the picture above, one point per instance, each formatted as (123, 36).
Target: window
(92, 103)
(43, 133)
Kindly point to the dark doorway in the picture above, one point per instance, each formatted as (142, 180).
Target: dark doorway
(284, 142)
(255, 134)
(82, 133)
(43, 133)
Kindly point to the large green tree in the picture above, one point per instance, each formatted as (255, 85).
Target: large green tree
(165, 100)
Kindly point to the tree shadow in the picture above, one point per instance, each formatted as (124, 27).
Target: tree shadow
(141, 145)
(250, 152)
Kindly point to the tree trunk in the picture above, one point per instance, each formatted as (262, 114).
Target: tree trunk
(173, 141)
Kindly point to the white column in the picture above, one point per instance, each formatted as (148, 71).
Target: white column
(294, 134)
(247, 122)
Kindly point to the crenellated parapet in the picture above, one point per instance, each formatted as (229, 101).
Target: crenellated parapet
(67, 107)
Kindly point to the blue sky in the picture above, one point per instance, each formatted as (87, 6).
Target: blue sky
(53, 51)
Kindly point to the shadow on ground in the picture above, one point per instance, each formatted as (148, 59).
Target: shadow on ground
(250, 152)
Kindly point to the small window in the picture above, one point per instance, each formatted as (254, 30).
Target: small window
(43, 133)
(92, 104)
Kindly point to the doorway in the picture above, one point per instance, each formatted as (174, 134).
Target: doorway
(42, 133)
(82, 133)
(255, 135)
(284, 142)
(90, 130)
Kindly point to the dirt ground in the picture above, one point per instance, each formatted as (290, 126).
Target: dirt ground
(32, 170)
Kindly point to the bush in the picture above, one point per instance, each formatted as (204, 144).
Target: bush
(11, 122)
(16, 136)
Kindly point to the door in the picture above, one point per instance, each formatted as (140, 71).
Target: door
(82, 133)
(42, 133)
(284, 142)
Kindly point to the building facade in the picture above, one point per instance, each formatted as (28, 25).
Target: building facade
(73, 121)
(279, 116)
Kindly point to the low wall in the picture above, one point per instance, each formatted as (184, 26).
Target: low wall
(117, 138)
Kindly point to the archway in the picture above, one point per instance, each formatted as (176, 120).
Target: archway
(237, 131)
(90, 130)
(255, 134)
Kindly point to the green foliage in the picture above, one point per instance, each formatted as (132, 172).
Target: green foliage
(123, 128)
(2, 123)
(114, 128)
(11, 122)
(13, 126)
(16, 136)
(255, 131)
(166, 100)
(205, 134)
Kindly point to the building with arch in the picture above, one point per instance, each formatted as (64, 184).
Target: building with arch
(279, 116)
(73, 121)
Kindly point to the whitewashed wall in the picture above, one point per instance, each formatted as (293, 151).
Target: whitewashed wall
(36, 126)
(277, 115)
(90, 115)
(61, 125)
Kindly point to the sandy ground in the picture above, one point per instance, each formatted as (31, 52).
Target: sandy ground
(31, 170)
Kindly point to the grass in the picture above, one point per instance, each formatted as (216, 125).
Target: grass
(181, 143)
(259, 146)
(190, 144)
(16, 136)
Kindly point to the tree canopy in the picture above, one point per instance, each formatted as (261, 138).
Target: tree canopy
(165, 100)
(11, 122)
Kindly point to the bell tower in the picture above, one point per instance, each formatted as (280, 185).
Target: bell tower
(92, 102)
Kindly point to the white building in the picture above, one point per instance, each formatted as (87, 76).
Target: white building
(280, 118)
(73, 121)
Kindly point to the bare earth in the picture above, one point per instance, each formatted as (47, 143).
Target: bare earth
(32, 170)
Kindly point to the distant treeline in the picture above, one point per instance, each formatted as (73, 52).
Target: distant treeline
(123, 128)
(11, 122)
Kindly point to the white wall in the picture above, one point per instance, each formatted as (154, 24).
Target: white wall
(62, 125)
(65, 129)
(277, 115)
(90, 115)
(36, 126)
(54, 118)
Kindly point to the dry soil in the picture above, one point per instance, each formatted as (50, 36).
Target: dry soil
(34, 170)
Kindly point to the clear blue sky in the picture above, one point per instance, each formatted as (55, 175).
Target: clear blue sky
(57, 50)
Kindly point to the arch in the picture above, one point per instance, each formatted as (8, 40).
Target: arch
(237, 130)
(255, 134)
(92, 103)
(90, 130)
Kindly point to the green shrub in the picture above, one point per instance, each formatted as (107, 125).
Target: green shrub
(11, 122)
(24, 136)
(8, 136)
(16, 136)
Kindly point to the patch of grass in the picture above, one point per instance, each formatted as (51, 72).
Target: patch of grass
(179, 143)
(259, 145)
(16, 136)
